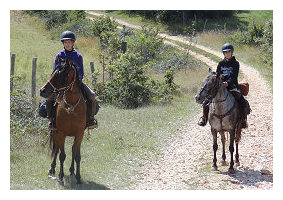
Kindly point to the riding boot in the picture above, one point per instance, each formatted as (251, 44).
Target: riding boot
(204, 118)
(90, 98)
(50, 109)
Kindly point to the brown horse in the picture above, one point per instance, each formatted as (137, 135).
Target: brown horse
(70, 115)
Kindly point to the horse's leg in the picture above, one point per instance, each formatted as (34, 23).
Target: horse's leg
(237, 162)
(53, 164)
(77, 155)
(60, 140)
(223, 140)
(72, 168)
(231, 149)
(215, 147)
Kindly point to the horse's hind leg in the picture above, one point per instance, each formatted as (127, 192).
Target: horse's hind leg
(223, 140)
(53, 164)
(231, 149)
(215, 147)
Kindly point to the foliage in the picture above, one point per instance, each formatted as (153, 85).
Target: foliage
(55, 18)
(131, 88)
(146, 43)
(23, 116)
(168, 16)
(260, 35)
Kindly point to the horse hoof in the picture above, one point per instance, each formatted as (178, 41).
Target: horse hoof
(231, 171)
(223, 163)
(214, 168)
(237, 164)
(61, 182)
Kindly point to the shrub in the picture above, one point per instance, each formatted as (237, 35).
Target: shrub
(23, 116)
(146, 43)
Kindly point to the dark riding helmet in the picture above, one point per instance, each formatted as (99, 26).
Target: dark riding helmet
(227, 47)
(68, 35)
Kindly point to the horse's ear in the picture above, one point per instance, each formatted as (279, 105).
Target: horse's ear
(209, 70)
(59, 59)
(67, 62)
(219, 75)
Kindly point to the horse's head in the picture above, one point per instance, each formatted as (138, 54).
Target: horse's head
(62, 78)
(210, 87)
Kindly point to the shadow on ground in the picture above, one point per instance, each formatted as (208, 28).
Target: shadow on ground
(70, 184)
(248, 177)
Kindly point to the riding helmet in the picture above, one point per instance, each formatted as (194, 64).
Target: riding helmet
(68, 35)
(227, 47)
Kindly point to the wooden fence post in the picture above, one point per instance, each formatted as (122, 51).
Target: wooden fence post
(33, 82)
(13, 58)
(92, 67)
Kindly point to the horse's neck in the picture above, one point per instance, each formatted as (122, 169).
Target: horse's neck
(223, 100)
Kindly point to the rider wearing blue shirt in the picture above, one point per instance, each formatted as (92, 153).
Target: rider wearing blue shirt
(229, 69)
(68, 39)
(73, 56)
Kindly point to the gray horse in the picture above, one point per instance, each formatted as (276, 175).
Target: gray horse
(223, 117)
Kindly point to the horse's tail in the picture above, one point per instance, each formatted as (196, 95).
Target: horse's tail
(238, 132)
(52, 143)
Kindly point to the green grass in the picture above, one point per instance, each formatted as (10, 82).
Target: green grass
(114, 153)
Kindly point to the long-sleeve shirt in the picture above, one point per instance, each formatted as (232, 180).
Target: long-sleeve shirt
(73, 56)
(230, 71)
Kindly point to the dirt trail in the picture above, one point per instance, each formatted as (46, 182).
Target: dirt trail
(186, 162)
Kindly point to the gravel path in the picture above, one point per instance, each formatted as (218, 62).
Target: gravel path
(186, 162)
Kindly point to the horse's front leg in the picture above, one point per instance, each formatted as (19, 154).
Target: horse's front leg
(62, 159)
(231, 149)
(237, 162)
(77, 156)
(72, 168)
(215, 147)
(223, 140)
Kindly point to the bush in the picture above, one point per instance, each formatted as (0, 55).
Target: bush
(146, 43)
(23, 116)
(131, 88)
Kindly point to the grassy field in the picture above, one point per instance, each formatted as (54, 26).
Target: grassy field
(125, 139)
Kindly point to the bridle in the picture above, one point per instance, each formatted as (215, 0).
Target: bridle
(68, 87)
(212, 93)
